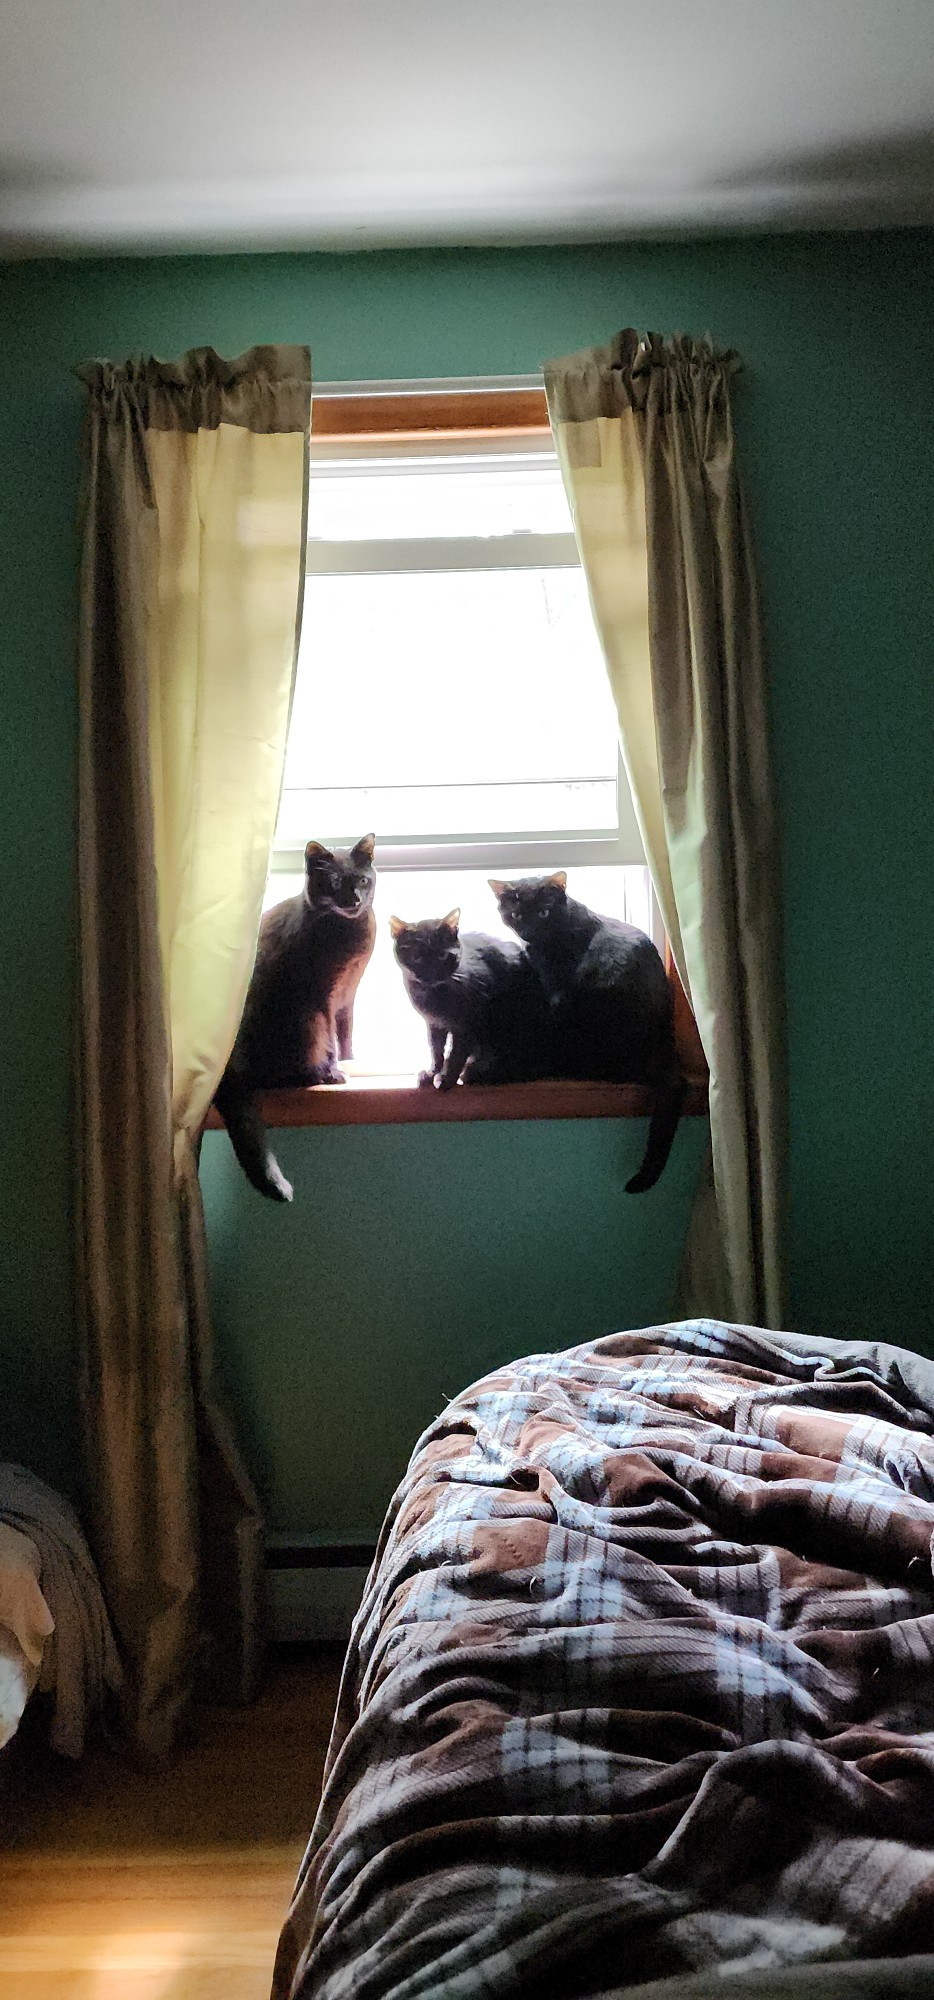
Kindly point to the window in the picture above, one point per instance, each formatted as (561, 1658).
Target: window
(451, 693)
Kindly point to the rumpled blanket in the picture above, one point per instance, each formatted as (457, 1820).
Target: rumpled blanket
(640, 1696)
(79, 1661)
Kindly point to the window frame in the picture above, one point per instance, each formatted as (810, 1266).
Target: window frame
(355, 420)
(351, 415)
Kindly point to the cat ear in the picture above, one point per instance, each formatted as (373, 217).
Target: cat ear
(315, 852)
(396, 925)
(559, 881)
(452, 920)
(498, 888)
(364, 848)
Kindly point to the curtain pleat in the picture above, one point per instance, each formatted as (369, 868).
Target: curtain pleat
(191, 583)
(644, 434)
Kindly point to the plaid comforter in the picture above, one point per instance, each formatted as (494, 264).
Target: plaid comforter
(640, 1697)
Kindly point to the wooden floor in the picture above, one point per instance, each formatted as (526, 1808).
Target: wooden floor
(119, 1885)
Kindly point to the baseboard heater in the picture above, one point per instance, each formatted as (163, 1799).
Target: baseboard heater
(314, 1588)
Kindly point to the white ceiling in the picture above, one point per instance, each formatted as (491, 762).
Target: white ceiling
(156, 124)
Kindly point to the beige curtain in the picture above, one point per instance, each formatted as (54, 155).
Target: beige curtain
(644, 434)
(191, 585)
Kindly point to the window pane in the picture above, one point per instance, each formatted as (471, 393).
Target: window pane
(471, 811)
(430, 496)
(388, 1034)
(482, 678)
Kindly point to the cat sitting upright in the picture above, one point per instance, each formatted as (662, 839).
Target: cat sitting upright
(486, 1015)
(298, 1018)
(610, 998)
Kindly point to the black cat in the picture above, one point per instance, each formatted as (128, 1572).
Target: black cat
(486, 1014)
(610, 999)
(298, 1018)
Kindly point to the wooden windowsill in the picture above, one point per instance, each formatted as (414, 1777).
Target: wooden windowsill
(397, 1100)
(430, 413)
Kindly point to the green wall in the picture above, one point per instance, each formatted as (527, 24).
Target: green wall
(413, 1259)
(484, 1242)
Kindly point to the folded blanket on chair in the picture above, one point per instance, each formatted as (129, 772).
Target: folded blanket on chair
(79, 1662)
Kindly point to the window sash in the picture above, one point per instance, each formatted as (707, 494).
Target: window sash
(531, 852)
(355, 423)
(379, 556)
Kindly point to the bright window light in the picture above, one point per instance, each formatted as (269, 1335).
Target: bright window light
(426, 492)
(467, 702)
(451, 697)
(390, 1038)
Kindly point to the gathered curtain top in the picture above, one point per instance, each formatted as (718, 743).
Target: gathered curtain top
(604, 381)
(265, 389)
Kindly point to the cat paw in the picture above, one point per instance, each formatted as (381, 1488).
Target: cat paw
(426, 1079)
(335, 1076)
(479, 1073)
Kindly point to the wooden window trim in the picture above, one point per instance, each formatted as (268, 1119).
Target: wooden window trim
(434, 414)
(380, 1100)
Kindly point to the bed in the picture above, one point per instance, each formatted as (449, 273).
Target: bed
(640, 1695)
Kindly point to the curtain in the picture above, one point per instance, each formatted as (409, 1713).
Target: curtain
(195, 504)
(644, 434)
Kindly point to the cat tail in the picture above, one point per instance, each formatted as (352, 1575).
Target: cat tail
(669, 1101)
(249, 1137)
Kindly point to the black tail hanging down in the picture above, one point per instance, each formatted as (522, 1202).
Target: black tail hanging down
(250, 1139)
(669, 1101)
